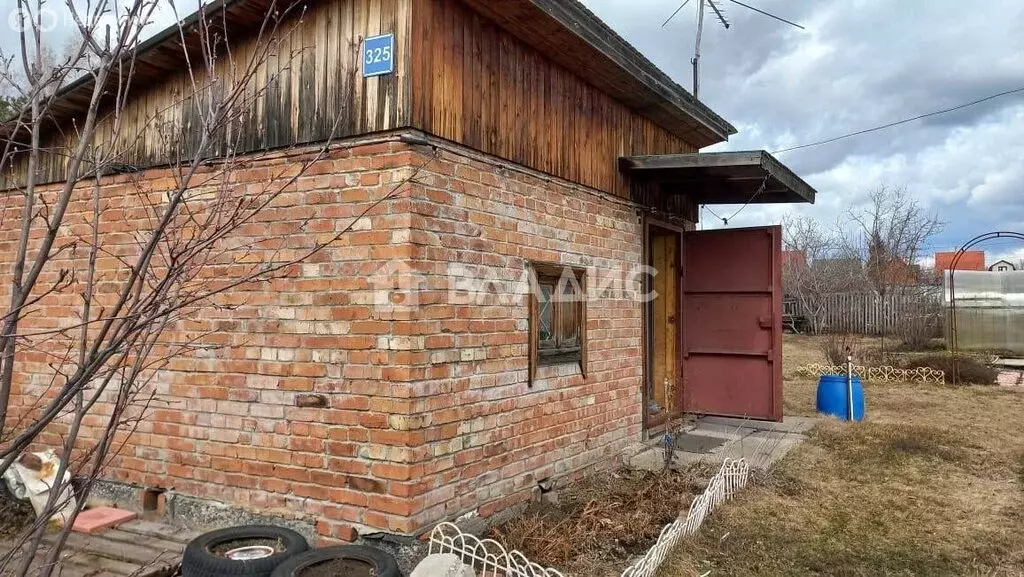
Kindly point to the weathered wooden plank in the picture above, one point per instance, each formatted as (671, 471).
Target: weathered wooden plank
(403, 62)
(386, 88)
(76, 561)
(324, 74)
(94, 566)
(125, 552)
(350, 91)
(330, 71)
(368, 22)
(472, 72)
(156, 543)
(158, 530)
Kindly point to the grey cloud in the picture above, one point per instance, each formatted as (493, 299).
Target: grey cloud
(862, 63)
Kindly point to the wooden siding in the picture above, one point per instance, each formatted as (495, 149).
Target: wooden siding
(309, 87)
(475, 83)
(459, 76)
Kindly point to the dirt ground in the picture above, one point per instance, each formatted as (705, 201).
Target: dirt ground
(931, 484)
(15, 515)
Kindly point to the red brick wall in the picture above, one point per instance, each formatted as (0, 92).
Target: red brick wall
(489, 437)
(224, 424)
(429, 411)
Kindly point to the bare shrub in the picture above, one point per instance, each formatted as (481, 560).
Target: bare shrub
(918, 332)
(869, 357)
(600, 522)
(959, 369)
(838, 346)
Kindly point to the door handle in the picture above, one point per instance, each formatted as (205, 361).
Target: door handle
(764, 322)
(671, 319)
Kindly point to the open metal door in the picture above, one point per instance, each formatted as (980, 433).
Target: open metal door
(732, 322)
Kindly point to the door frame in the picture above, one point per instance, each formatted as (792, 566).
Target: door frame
(647, 324)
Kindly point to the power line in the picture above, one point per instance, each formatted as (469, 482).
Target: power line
(899, 122)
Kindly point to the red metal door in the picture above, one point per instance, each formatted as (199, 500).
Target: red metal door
(732, 322)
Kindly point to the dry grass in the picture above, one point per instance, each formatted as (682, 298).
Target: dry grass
(932, 484)
(601, 522)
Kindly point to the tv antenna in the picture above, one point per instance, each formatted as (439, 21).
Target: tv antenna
(720, 15)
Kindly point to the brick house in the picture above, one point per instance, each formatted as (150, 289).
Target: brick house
(551, 158)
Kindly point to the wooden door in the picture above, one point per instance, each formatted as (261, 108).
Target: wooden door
(664, 400)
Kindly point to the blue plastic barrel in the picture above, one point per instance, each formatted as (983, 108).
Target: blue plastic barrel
(832, 399)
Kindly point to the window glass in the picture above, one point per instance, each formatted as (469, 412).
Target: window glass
(546, 316)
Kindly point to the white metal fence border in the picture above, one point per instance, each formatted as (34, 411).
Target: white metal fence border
(487, 556)
(732, 477)
(884, 374)
(491, 559)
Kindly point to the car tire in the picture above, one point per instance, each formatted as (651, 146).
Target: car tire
(383, 563)
(201, 560)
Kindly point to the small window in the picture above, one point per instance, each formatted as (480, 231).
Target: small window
(557, 316)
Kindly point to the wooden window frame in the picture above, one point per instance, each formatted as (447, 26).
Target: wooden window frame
(547, 354)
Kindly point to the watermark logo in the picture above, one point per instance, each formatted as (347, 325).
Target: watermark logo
(398, 285)
(46, 20)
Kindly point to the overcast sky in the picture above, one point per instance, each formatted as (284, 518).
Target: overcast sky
(861, 63)
(858, 64)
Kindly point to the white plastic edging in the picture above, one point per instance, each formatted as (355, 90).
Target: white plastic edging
(487, 556)
(491, 559)
(730, 478)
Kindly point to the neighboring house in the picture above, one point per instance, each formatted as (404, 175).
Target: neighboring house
(969, 260)
(1002, 266)
(899, 273)
(565, 159)
(794, 260)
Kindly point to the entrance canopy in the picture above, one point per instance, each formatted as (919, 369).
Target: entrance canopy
(754, 177)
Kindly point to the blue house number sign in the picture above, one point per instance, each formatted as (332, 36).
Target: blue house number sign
(378, 55)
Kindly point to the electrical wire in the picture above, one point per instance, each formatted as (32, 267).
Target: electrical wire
(725, 220)
(899, 122)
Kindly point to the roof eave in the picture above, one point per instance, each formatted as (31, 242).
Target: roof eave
(753, 175)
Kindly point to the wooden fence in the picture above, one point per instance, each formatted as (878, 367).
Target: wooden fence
(869, 313)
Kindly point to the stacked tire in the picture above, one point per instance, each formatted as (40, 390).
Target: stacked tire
(343, 561)
(269, 551)
(249, 551)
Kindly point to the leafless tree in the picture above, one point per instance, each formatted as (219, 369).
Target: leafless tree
(816, 267)
(889, 235)
(129, 320)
